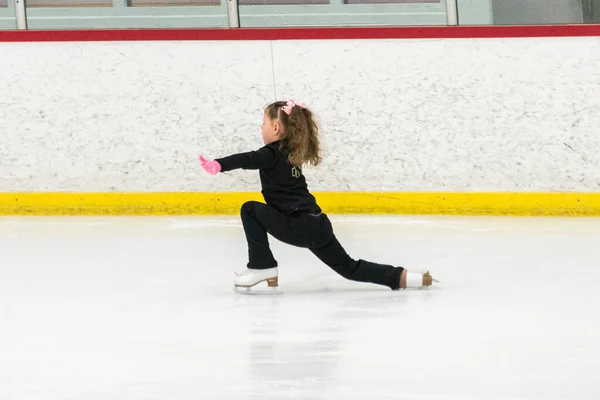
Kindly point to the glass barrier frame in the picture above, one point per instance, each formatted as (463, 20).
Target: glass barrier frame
(203, 14)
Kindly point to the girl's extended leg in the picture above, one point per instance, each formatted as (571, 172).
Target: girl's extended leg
(334, 255)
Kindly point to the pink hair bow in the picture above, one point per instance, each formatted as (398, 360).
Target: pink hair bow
(290, 104)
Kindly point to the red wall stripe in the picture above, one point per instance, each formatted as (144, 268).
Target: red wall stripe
(429, 32)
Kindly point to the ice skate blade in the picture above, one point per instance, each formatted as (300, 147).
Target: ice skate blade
(256, 292)
(272, 285)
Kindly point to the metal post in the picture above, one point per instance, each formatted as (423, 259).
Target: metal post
(20, 14)
(233, 13)
(452, 12)
(121, 3)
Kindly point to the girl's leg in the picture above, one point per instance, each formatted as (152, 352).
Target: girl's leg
(256, 220)
(259, 219)
(334, 255)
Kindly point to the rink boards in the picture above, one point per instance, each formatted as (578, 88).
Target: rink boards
(96, 123)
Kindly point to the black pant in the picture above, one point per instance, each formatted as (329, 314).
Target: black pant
(307, 231)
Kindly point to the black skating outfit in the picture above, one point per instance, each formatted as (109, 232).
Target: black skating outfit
(292, 216)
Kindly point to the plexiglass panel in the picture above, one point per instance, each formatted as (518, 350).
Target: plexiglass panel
(280, 13)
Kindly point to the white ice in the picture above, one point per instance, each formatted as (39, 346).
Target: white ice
(143, 308)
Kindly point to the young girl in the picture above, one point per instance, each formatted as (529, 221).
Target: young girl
(291, 213)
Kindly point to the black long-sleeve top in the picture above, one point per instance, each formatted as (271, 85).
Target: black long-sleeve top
(283, 185)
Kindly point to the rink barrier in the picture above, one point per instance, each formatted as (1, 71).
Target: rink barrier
(76, 201)
(203, 203)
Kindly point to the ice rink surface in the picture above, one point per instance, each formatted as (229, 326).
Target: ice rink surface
(132, 308)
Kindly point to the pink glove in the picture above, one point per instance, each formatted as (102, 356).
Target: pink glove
(211, 166)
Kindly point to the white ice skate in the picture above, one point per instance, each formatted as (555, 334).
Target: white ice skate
(251, 277)
(415, 280)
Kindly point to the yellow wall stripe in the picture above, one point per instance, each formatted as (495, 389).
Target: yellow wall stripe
(177, 203)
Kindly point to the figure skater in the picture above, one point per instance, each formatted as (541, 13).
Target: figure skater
(291, 213)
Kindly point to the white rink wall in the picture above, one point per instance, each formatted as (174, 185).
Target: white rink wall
(397, 115)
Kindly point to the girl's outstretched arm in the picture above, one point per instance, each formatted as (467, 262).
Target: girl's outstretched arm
(259, 159)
